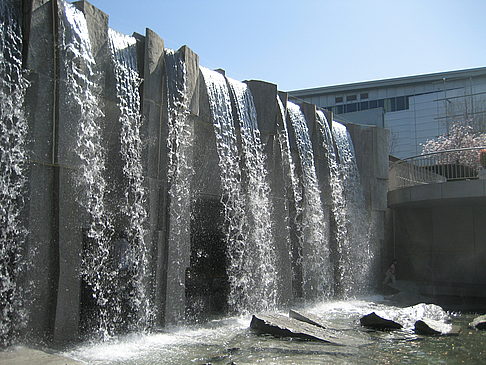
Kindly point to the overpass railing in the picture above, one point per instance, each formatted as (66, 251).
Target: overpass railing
(436, 167)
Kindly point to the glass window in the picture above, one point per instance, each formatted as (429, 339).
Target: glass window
(351, 107)
(338, 109)
(338, 99)
(373, 104)
(381, 103)
(364, 105)
(363, 96)
(351, 98)
(400, 103)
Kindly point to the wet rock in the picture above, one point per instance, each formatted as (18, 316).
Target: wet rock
(376, 322)
(315, 320)
(431, 327)
(479, 323)
(281, 326)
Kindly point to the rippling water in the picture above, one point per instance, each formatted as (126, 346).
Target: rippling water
(230, 339)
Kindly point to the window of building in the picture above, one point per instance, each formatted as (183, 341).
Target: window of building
(351, 98)
(353, 107)
(338, 99)
(364, 105)
(363, 96)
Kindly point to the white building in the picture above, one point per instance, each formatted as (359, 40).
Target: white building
(414, 108)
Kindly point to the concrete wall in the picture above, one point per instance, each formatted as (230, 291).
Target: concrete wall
(438, 236)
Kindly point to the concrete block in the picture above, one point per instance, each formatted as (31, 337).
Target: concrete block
(399, 196)
(191, 60)
(462, 189)
(265, 100)
(97, 26)
(425, 192)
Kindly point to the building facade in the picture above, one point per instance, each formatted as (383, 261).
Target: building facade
(414, 108)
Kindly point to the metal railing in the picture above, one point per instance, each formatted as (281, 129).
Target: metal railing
(435, 167)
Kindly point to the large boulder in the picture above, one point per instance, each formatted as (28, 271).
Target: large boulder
(376, 322)
(479, 323)
(431, 327)
(281, 326)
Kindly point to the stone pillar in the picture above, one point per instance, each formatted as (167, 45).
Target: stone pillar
(69, 212)
(41, 109)
(371, 145)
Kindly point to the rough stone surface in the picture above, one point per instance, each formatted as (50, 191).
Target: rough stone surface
(435, 328)
(374, 321)
(281, 326)
(479, 323)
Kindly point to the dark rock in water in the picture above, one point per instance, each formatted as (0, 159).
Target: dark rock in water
(435, 328)
(376, 322)
(315, 320)
(479, 323)
(281, 326)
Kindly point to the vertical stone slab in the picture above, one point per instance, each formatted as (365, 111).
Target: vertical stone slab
(152, 136)
(178, 251)
(42, 223)
(269, 122)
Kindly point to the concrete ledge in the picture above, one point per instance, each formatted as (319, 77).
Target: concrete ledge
(433, 193)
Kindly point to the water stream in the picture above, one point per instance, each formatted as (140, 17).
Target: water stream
(351, 219)
(250, 248)
(13, 159)
(83, 105)
(133, 206)
(314, 240)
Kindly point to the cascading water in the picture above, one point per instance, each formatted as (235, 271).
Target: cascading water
(13, 158)
(352, 221)
(124, 54)
(77, 70)
(260, 245)
(247, 272)
(315, 260)
(293, 195)
(180, 172)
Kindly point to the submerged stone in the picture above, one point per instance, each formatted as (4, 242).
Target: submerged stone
(374, 321)
(435, 328)
(281, 326)
(479, 323)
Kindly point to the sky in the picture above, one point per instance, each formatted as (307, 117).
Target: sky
(312, 43)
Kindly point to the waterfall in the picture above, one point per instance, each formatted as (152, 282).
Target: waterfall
(13, 158)
(349, 207)
(251, 261)
(124, 54)
(314, 239)
(180, 172)
(294, 197)
(260, 245)
(83, 104)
